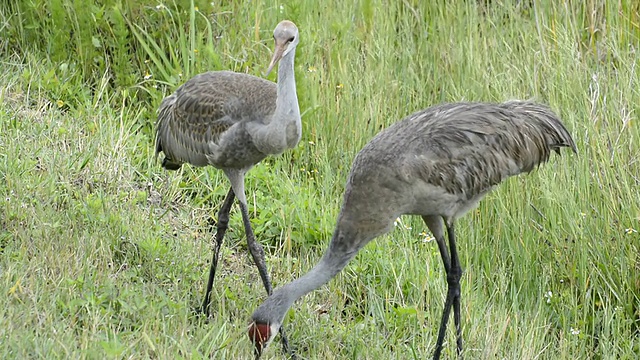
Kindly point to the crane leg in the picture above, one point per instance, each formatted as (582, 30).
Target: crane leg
(457, 274)
(454, 272)
(256, 250)
(221, 224)
(257, 253)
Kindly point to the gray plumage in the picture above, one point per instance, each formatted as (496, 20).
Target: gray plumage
(437, 163)
(215, 118)
(205, 121)
(232, 121)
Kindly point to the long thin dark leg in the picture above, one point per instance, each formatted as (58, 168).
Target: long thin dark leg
(434, 223)
(256, 250)
(454, 273)
(257, 253)
(222, 225)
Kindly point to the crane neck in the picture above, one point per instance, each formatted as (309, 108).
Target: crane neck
(286, 74)
(348, 238)
(273, 310)
(343, 247)
(287, 109)
(320, 274)
(284, 129)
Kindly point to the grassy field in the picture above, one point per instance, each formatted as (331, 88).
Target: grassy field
(103, 254)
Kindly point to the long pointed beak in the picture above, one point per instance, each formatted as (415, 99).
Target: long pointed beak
(277, 55)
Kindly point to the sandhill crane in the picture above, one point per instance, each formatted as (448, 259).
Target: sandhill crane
(232, 121)
(437, 163)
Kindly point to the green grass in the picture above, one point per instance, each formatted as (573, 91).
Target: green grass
(103, 254)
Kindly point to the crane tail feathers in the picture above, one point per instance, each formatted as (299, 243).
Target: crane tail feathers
(546, 122)
(162, 131)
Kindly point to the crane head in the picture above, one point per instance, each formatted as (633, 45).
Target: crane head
(286, 38)
(261, 335)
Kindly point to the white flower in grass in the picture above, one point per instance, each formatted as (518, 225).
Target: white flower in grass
(575, 331)
(426, 237)
(548, 295)
(630, 231)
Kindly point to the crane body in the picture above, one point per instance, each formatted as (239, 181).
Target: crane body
(437, 163)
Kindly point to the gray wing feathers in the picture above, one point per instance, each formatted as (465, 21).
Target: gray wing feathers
(546, 122)
(164, 141)
(467, 148)
(193, 119)
(185, 132)
(487, 144)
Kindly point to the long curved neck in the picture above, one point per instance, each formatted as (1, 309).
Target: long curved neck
(325, 270)
(352, 233)
(284, 129)
(356, 226)
(287, 102)
(344, 245)
(287, 114)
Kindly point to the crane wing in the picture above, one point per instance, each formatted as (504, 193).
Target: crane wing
(192, 120)
(464, 149)
(471, 147)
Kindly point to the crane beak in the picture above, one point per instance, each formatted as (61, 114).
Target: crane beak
(277, 55)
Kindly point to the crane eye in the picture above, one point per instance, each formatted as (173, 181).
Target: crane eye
(291, 39)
